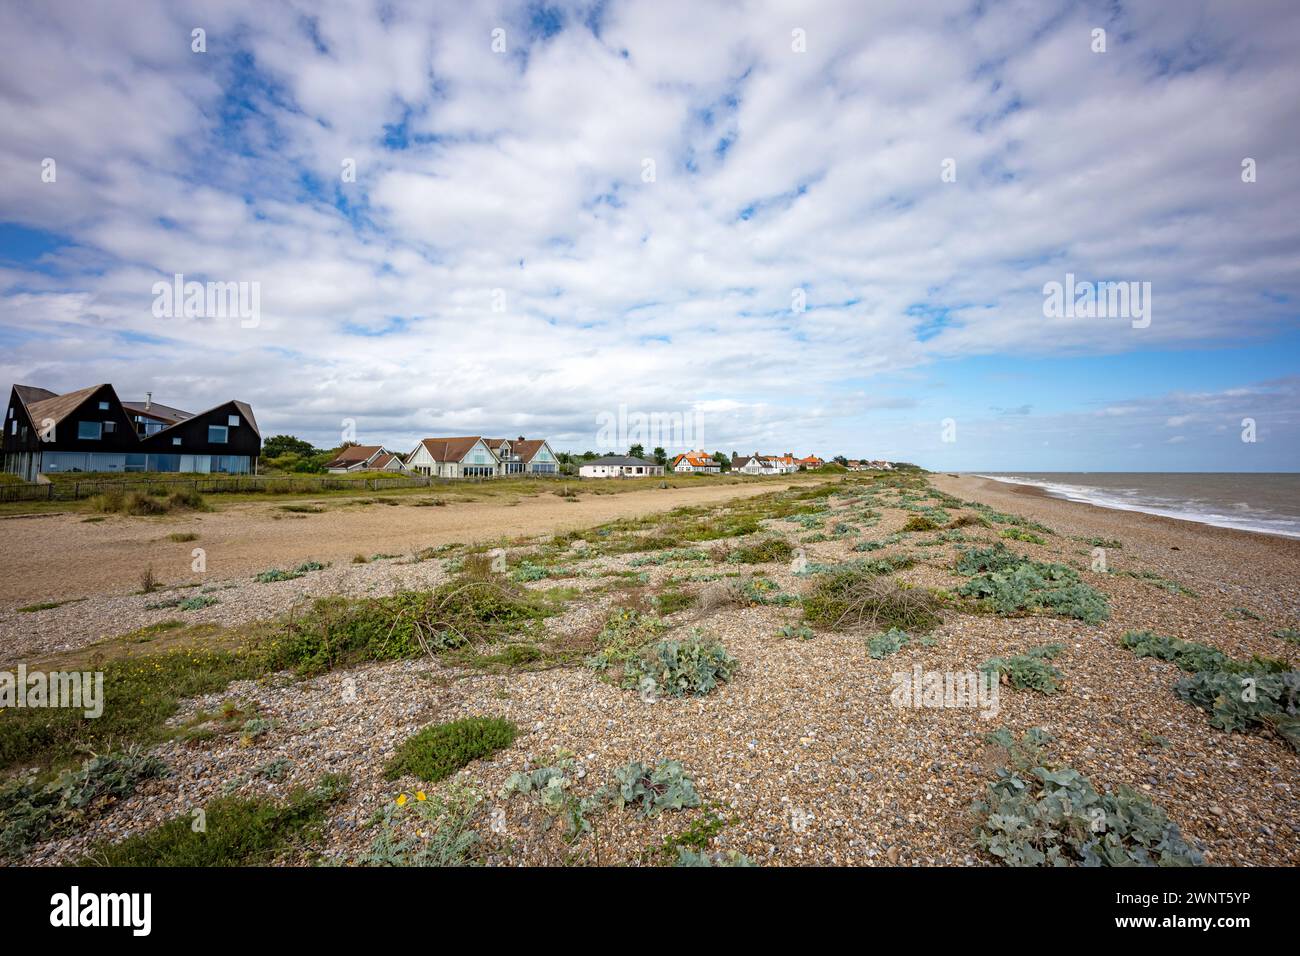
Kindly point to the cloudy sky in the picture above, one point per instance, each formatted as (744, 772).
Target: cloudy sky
(809, 227)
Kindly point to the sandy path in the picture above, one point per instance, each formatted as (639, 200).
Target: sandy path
(58, 557)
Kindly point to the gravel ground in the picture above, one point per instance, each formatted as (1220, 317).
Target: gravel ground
(803, 750)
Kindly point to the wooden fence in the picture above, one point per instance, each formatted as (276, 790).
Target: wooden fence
(233, 484)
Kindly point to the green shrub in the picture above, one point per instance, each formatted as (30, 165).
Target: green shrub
(1032, 586)
(920, 523)
(459, 612)
(1242, 701)
(625, 632)
(855, 597)
(140, 694)
(801, 631)
(996, 558)
(672, 601)
(892, 641)
(762, 552)
(1238, 695)
(693, 666)
(1039, 815)
(688, 857)
(1019, 534)
(275, 574)
(30, 813)
(437, 752)
(238, 831)
(445, 832)
(1028, 671)
(1188, 655)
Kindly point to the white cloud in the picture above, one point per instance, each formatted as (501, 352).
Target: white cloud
(775, 171)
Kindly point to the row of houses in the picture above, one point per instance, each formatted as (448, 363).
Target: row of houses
(786, 464)
(469, 456)
(93, 430)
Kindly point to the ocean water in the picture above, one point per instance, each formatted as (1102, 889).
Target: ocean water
(1250, 502)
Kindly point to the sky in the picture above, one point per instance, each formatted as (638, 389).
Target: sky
(821, 228)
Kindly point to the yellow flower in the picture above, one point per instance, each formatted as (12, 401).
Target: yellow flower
(401, 800)
(420, 796)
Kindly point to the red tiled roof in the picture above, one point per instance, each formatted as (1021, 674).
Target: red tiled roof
(450, 449)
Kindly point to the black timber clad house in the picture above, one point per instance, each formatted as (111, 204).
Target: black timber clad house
(91, 430)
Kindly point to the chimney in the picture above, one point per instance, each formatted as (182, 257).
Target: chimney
(148, 401)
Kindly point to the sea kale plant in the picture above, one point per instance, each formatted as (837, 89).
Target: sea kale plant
(1028, 671)
(1040, 814)
(1008, 584)
(1238, 695)
(678, 668)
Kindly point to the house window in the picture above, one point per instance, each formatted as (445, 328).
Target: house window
(15, 427)
(89, 430)
(218, 434)
(103, 406)
(110, 427)
(232, 420)
(176, 441)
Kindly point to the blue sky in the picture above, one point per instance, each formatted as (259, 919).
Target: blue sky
(507, 218)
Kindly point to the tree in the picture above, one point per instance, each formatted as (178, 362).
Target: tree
(722, 460)
(278, 445)
(841, 460)
(636, 451)
(661, 456)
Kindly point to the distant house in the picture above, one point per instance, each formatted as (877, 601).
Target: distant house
(465, 457)
(619, 466)
(757, 464)
(524, 456)
(696, 462)
(473, 456)
(389, 461)
(92, 430)
(358, 458)
(809, 463)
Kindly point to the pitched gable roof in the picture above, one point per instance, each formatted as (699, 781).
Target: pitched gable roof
(164, 413)
(354, 454)
(451, 449)
(528, 449)
(30, 394)
(696, 459)
(60, 406)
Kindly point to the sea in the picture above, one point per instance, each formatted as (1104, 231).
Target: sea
(1263, 502)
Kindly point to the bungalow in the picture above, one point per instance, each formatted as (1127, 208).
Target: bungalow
(473, 456)
(619, 466)
(92, 430)
(757, 464)
(364, 458)
(696, 462)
